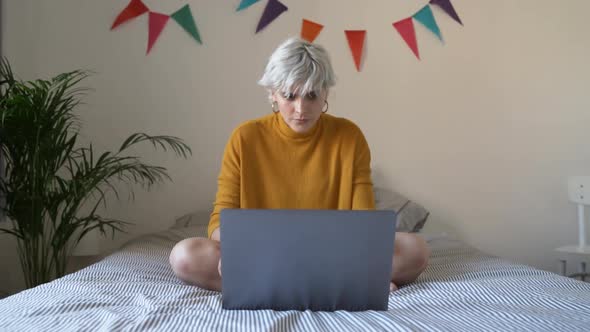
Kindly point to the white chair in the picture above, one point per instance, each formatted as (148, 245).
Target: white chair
(579, 193)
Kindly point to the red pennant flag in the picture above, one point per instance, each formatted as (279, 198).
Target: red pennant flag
(134, 8)
(157, 22)
(356, 41)
(406, 30)
(310, 30)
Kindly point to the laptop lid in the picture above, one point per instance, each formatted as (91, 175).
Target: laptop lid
(306, 259)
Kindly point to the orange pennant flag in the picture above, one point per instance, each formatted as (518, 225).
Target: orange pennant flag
(356, 42)
(156, 22)
(310, 30)
(134, 8)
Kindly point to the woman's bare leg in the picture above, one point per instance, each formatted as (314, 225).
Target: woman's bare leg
(410, 258)
(196, 261)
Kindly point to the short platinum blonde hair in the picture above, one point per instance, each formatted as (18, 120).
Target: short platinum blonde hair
(298, 66)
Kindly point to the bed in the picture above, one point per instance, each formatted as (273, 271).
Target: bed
(463, 289)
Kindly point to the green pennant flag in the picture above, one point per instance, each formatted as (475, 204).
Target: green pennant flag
(425, 17)
(246, 3)
(184, 17)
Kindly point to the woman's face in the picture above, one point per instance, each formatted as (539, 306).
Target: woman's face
(300, 112)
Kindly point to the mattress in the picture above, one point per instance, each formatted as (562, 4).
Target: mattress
(463, 289)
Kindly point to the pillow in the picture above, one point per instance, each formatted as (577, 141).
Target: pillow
(199, 218)
(411, 216)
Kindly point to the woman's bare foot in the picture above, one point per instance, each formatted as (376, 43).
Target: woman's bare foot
(392, 287)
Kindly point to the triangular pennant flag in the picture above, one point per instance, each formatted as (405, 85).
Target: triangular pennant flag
(273, 9)
(425, 17)
(134, 8)
(310, 30)
(447, 6)
(405, 28)
(156, 22)
(356, 42)
(245, 4)
(185, 19)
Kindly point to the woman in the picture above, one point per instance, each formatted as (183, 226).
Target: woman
(297, 157)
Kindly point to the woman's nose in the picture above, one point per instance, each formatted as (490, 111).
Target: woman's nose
(299, 105)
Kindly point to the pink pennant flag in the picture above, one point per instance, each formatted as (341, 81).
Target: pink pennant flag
(156, 22)
(405, 28)
(134, 8)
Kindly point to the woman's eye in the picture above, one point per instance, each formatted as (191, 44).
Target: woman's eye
(289, 96)
(312, 95)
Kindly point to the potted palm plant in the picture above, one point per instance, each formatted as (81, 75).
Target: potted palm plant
(48, 178)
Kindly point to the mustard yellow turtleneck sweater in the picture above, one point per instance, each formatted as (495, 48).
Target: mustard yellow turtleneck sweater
(267, 165)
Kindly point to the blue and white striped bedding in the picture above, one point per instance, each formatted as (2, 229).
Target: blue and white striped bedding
(462, 290)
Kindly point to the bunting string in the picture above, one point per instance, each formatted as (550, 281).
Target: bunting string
(405, 27)
(157, 21)
(310, 30)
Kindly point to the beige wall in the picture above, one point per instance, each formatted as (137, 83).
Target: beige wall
(483, 131)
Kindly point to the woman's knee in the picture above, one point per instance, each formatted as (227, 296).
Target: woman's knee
(422, 253)
(414, 248)
(188, 253)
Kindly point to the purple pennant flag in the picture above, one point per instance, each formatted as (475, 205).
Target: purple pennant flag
(447, 6)
(273, 9)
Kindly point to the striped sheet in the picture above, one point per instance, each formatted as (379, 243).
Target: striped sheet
(462, 290)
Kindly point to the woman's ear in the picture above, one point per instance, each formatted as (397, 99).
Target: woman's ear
(272, 96)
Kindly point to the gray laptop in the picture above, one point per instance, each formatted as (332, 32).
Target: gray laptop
(321, 260)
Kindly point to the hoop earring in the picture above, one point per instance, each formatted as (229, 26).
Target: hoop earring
(275, 107)
(327, 106)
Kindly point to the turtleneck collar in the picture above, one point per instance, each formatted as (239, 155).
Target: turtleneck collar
(285, 130)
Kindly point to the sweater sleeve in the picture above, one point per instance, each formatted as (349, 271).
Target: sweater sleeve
(362, 185)
(228, 182)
